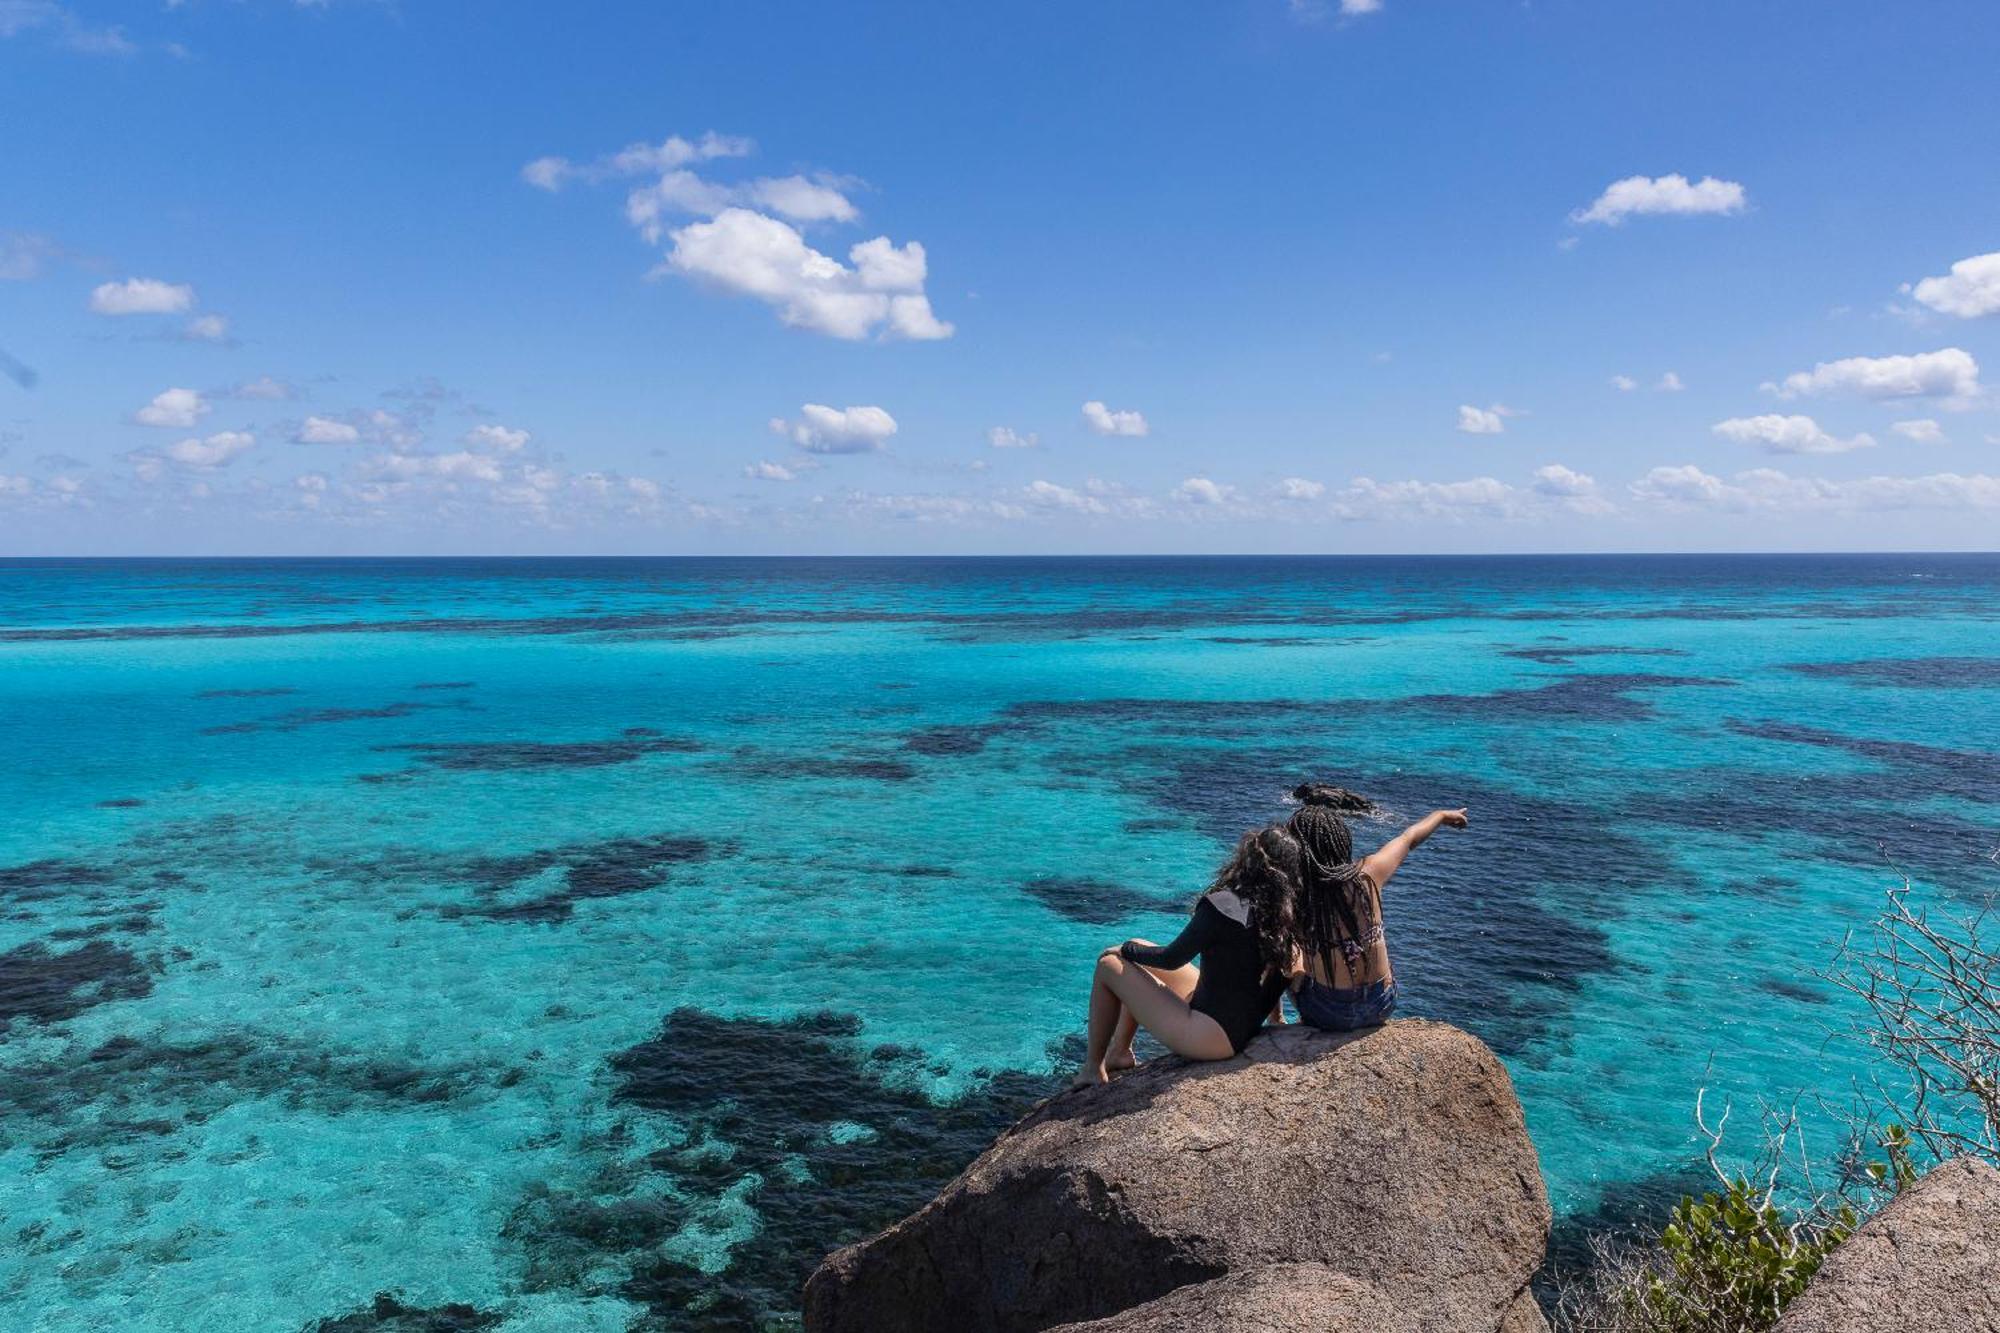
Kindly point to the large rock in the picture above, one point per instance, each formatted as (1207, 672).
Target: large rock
(1930, 1261)
(1395, 1158)
(1283, 1298)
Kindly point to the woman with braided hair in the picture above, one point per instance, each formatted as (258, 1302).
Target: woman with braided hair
(1346, 982)
(1241, 929)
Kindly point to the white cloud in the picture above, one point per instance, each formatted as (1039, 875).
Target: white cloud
(1651, 195)
(461, 466)
(1483, 420)
(832, 430)
(1366, 498)
(769, 471)
(1356, 8)
(802, 200)
(1048, 495)
(323, 430)
(213, 452)
(1005, 437)
(1202, 491)
(1106, 422)
(1555, 479)
(1924, 430)
(1970, 290)
(207, 328)
(1624, 383)
(178, 409)
(1788, 435)
(1769, 490)
(552, 173)
(750, 254)
(141, 296)
(1949, 373)
(1670, 383)
(1298, 488)
(497, 438)
(266, 388)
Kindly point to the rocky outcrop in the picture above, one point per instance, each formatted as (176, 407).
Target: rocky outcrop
(1930, 1261)
(1384, 1176)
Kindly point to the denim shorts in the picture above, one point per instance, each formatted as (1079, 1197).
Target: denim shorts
(1345, 1008)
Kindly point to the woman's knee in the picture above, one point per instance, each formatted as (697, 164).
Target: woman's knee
(1110, 963)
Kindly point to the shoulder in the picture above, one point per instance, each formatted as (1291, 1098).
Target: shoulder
(1228, 904)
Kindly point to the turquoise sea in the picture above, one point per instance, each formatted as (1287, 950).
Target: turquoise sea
(591, 944)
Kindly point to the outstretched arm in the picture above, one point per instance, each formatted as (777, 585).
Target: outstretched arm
(1385, 861)
(1186, 945)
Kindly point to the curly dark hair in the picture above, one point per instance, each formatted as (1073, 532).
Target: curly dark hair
(1332, 890)
(1264, 872)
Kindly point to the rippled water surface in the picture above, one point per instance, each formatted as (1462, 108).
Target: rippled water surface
(592, 944)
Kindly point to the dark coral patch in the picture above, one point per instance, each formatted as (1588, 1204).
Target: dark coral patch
(444, 685)
(1094, 901)
(120, 803)
(387, 1314)
(319, 717)
(37, 881)
(1605, 697)
(1910, 673)
(503, 756)
(1932, 770)
(786, 1098)
(945, 741)
(1787, 989)
(611, 868)
(44, 986)
(1566, 655)
(831, 768)
(271, 692)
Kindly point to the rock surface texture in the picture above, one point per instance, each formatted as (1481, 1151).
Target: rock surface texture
(1930, 1261)
(1380, 1180)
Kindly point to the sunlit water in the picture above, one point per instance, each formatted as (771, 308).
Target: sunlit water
(592, 944)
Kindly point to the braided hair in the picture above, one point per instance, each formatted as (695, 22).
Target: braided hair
(1331, 886)
(1264, 873)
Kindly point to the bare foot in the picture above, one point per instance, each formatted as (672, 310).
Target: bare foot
(1089, 1078)
(1118, 1064)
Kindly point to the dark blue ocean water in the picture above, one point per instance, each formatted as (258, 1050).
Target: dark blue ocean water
(597, 942)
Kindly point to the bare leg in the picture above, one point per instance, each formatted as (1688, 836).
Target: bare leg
(1119, 985)
(1181, 981)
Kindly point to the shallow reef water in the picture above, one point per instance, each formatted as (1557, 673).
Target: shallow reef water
(593, 944)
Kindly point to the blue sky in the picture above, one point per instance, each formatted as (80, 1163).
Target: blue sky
(348, 277)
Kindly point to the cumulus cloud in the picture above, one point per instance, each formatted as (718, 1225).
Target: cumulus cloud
(264, 388)
(1048, 495)
(178, 409)
(1366, 498)
(1675, 195)
(746, 253)
(1202, 491)
(1670, 383)
(207, 328)
(836, 430)
(1006, 437)
(1970, 290)
(1483, 420)
(1789, 435)
(1769, 490)
(1624, 383)
(324, 430)
(1107, 422)
(142, 296)
(1949, 373)
(769, 471)
(552, 173)
(497, 438)
(1298, 488)
(1924, 430)
(212, 452)
(744, 242)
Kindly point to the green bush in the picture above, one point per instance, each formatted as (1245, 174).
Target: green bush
(1729, 1262)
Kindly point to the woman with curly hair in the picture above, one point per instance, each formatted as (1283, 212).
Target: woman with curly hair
(1241, 930)
(1337, 922)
